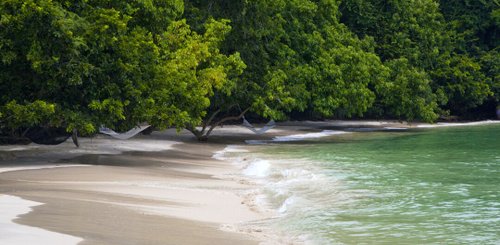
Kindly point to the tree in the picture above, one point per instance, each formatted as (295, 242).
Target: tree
(477, 24)
(298, 56)
(406, 93)
(110, 63)
(418, 32)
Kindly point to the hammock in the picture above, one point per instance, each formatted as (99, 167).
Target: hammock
(47, 136)
(271, 124)
(123, 136)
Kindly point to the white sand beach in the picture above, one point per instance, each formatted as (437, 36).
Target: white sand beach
(162, 188)
(147, 190)
(11, 208)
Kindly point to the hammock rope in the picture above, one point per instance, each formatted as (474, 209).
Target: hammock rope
(123, 136)
(271, 124)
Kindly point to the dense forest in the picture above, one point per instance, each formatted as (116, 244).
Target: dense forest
(172, 63)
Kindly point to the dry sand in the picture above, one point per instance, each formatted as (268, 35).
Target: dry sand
(151, 191)
(158, 189)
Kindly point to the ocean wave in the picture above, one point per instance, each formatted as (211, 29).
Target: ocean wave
(299, 137)
(486, 122)
(284, 207)
(284, 188)
(221, 155)
(257, 168)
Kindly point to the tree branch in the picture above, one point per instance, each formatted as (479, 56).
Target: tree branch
(210, 120)
(225, 120)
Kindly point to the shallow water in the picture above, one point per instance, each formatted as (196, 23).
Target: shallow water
(415, 187)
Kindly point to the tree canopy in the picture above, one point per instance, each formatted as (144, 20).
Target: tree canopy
(173, 63)
(84, 64)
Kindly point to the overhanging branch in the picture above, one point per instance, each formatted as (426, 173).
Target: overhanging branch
(225, 120)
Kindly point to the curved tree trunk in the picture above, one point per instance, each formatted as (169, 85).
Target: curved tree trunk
(203, 134)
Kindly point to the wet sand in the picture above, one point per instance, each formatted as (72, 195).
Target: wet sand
(158, 189)
(135, 197)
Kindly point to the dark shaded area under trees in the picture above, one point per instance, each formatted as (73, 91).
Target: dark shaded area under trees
(76, 65)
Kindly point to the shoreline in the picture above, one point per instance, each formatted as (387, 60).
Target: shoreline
(168, 188)
(273, 174)
(166, 178)
(11, 207)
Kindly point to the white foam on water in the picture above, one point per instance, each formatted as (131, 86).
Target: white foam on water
(295, 174)
(395, 128)
(257, 142)
(284, 207)
(234, 148)
(363, 129)
(257, 168)
(280, 187)
(299, 137)
(222, 154)
(296, 189)
(486, 122)
(11, 233)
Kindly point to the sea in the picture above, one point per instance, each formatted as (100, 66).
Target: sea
(438, 185)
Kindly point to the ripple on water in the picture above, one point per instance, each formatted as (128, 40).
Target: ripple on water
(426, 187)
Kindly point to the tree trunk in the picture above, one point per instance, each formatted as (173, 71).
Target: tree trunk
(203, 134)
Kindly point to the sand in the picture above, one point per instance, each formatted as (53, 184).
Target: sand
(12, 233)
(149, 190)
(158, 189)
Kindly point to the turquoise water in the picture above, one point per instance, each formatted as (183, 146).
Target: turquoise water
(432, 186)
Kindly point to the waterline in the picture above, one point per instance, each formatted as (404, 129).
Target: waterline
(12, 233)
(425, 186)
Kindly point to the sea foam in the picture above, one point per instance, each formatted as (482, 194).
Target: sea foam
(299, 137)
(258, 168)
(222, 154)
(284, 188)
(486, 122)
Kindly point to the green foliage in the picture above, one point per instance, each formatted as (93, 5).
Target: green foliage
(120, 63)
(411, 29)
(345, 73)
(14, 115)
(463, 82)
(477, 24)
(112, 63)
(490, 65)
(435, 39)
(298, 57)
(476, 21)
(406, 94)
(193, 70)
